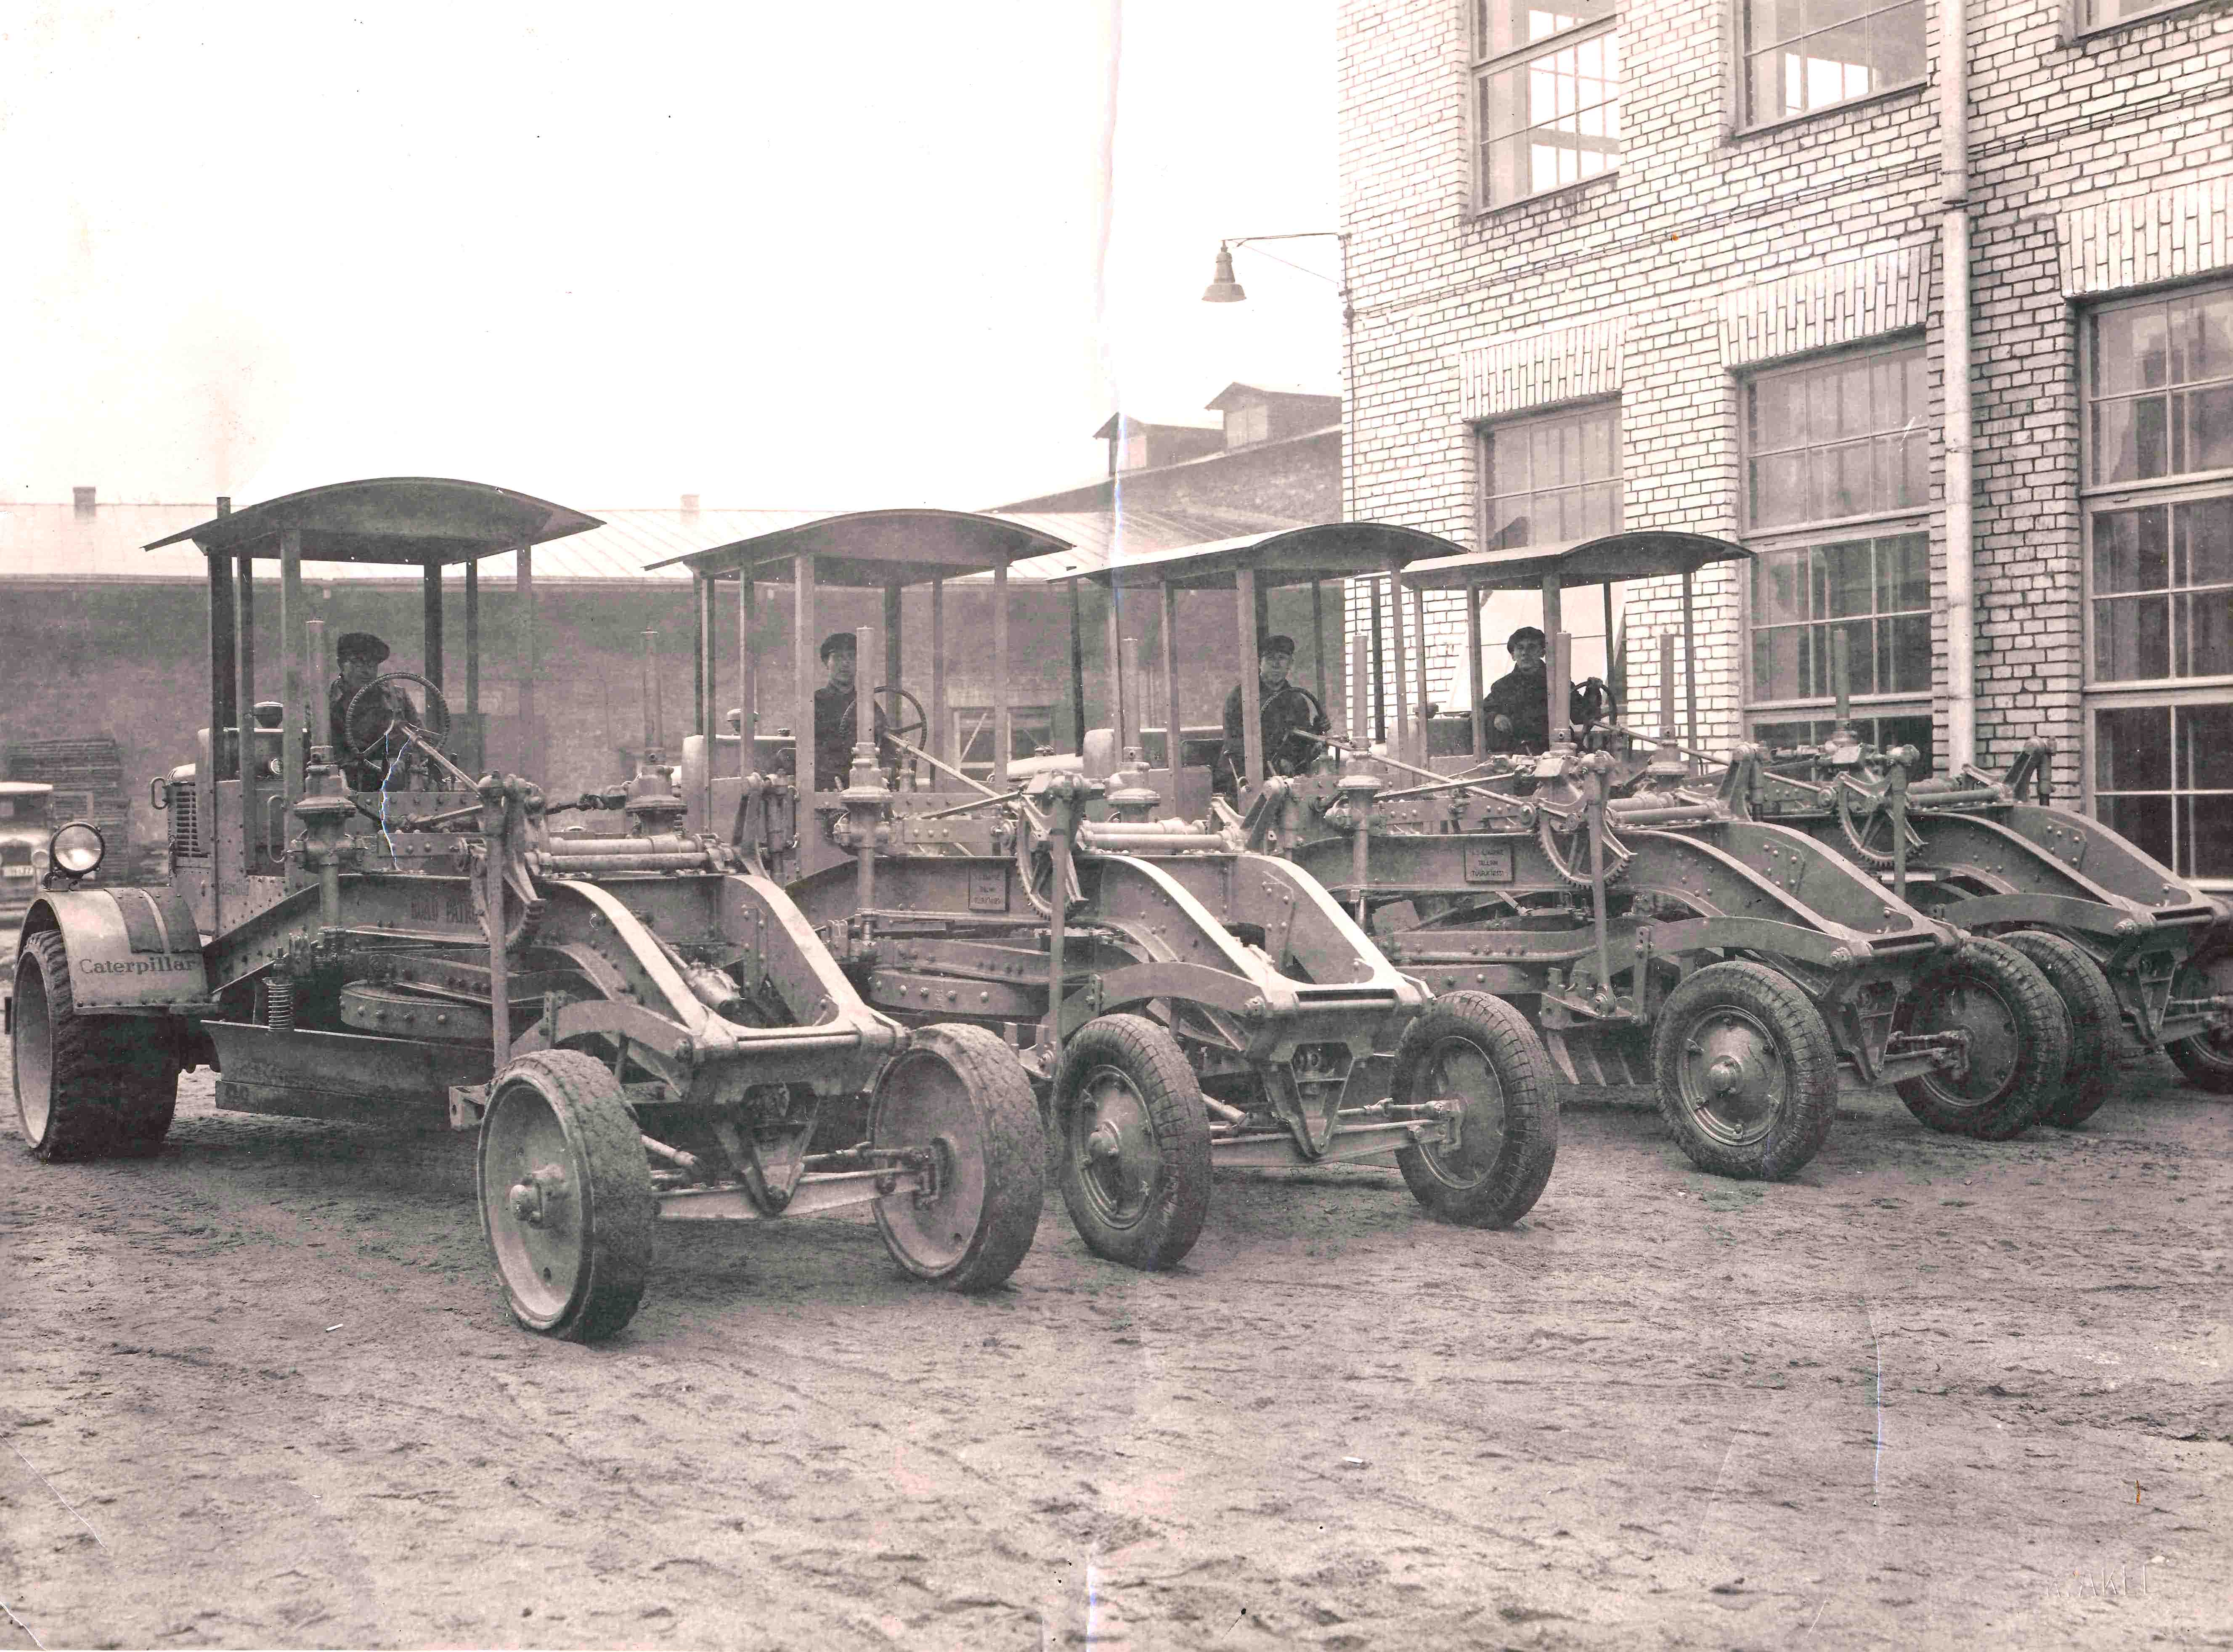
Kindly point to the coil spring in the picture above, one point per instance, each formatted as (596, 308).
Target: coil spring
(279, 1004)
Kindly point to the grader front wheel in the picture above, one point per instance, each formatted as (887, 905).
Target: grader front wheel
(566, 1195)
(958, 1091)
(2019, 1043)
(85, 1085)
(1747, 1075)
(1135, 1141)
(1479, 1051)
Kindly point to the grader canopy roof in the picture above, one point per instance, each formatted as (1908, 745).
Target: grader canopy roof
(410, 520)
(1290, 556)
(1643, 553)
(879, 548)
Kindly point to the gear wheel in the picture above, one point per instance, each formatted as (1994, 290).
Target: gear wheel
(1557, 839)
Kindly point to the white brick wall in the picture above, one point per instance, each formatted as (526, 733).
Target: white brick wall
(1700, 222)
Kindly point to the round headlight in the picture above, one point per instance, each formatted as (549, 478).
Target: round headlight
(77, 848)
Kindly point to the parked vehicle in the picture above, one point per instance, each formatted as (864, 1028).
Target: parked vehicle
(639, 1026)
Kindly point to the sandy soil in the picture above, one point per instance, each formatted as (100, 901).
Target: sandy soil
(261, 1391)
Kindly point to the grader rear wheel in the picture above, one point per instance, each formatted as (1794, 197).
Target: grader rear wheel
(1479, 1050)
(2095, 1022)
(2019, 1042)
(2206, 1058)
(1135, 1141)
(85, 1085)
(958, 1090)
(566, 1195)
(1748, 1075)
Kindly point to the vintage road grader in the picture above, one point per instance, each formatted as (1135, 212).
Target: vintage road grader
(1180, 1002)
(639, 1025)
(1653, 934)
(2124, 941)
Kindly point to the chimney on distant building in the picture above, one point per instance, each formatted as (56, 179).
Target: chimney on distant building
(690, 507)
(224, 504)
(82, 501)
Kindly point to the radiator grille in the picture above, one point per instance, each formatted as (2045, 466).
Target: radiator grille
(186, 819)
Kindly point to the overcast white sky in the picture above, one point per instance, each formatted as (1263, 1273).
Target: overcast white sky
(775, 255)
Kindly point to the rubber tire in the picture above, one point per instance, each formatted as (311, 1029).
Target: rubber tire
(1177, 1201)
(1011, 1145)
(618, 1209)
(1802, 1041)
(2204, 1060)
(2095, 1019)
(2043, 1043)
(111, 1087)
(1470, 1193)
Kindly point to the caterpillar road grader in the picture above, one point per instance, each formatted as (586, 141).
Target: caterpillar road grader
(1654, 932)
(637, 1021)
(1180, 1002)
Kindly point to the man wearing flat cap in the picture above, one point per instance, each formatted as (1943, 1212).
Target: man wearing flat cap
(1516, 710)
(835, 715)
(361, 655)
(1291, 714)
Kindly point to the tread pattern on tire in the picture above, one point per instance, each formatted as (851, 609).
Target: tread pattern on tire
(1808, 1052)
(115, 1087)
(1523, 1069)
(2095, 1019)
(1172, 1095)
(2043, 1043)
(623, 1209)
(1015, 1149)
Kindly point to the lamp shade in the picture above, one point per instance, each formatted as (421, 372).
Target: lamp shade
(1223, 288)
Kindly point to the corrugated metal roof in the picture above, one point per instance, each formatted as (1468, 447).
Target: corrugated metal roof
(1102, 536)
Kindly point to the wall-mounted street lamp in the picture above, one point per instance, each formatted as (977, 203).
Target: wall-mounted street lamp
(1225, 289)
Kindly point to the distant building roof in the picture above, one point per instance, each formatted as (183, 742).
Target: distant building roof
(1240, 390)
(1099, 537)
(1124, 423)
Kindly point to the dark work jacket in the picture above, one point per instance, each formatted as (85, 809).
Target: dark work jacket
(366, 773)
(1518, 694)
(1287, 710)
(834, 715)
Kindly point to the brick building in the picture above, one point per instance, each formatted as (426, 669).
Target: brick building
(1674, 264)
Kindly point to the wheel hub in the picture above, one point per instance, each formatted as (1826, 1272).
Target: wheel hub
(531, 1200)
(1733, 1075)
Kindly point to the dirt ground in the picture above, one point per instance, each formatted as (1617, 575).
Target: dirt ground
(261, 1391)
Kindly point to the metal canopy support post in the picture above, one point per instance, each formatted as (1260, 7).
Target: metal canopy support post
(1114, 646)
(1476, 692)
(1174, 730)
(941, 724)
(1359, 703)
(701, 660)
(748, 674)
(1555, 690)
(1419, 634)
(1251, 689)
(297, 717)
(1003, 738)
(1317, 638)
(1077, 663)
(243, 652)
(222, 664)
(430, 598)
(479, 752)
(1379, 695)
(1691, 667)
(531, 752)
(1611, 671)
(1397, 743)
(894, 653)
(803, 667)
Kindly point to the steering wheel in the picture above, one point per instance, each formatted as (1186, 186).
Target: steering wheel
(369, 724)
(896, 704)
(1591, 701)
(1296, 753)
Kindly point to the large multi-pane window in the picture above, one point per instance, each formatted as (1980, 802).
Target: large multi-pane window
(1837, 482)
(1805, 55)
(1546, 87)
(1551, 479)
(2158, 486)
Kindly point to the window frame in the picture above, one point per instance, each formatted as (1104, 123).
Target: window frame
(2142, 693)
(1743, 122)
(1485, 431)
(1799, 536)
(1018, 715)
(1480, 63)
(2076, 28)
